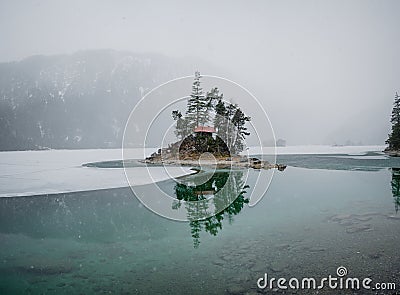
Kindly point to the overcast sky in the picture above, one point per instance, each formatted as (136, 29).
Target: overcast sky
(326, 71)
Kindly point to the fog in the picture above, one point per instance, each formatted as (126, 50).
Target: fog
(325, 71)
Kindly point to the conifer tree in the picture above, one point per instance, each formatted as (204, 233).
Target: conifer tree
(220, 119)
(394, 136)
(230, 130)
(239, 121)
(212, 98)
(197, 104)
(181, 129)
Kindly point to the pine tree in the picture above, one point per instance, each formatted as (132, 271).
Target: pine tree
(221, 113)
(230, 123)
(197, 104)
(396, 110)
(221, 123)
(239, 121)
(181, 129)
(230, 130)
(212, 98)
(394, 137)
(220, 117)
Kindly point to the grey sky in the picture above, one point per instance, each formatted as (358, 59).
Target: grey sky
(326, 71)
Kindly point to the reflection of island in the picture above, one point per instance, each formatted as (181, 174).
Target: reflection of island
(395, 183)
(228, 203)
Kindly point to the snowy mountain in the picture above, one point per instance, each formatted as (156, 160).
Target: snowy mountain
(76, 101)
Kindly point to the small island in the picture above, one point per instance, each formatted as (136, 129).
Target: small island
(394, 137)
(211, 133)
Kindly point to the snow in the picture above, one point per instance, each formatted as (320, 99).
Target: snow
(317, 149)
(26, 173)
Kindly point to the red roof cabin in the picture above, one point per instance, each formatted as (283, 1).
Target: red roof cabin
(205, 193)
(204, 129)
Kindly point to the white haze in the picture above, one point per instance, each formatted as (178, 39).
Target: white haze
(326, 71)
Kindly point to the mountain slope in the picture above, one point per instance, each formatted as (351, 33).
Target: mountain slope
(76, 101)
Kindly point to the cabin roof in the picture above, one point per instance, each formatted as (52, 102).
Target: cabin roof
(206, 129)
(204, 193)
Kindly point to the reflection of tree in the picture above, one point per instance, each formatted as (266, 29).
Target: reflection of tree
(395, 183)
(229, 202)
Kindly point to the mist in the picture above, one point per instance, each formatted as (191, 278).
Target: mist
(325, 71)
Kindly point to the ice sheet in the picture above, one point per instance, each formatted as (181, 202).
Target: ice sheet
(26, 173)
(317, 149)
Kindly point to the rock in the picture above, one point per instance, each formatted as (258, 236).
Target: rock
(78, 255)
(245, 246)
(363, 218)
(235, 289)
(346, 222)
(369, 214)
(80, 276)
(281, 167)
(36, 281)
(259, 267)
(340, 217)
(392, 153)
(395, 217)
(359, 228)
(242, 279)
(219, 262)
(278, 266)
(282, 246)
(228, 257)
(249, 264)
(316, 249)
(375, 255)
(46, 269)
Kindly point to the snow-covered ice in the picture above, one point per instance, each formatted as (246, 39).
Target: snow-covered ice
(25, 173)
(317, 149)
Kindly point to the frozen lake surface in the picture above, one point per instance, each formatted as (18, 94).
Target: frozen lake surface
(316, 149)
(24, 173)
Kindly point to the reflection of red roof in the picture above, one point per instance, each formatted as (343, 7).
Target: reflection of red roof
(207, 129)
(204, 193)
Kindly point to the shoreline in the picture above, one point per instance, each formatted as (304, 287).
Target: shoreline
(220, 163)
(392, 153)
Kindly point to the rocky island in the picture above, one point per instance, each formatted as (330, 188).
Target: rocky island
(168, 156)
(212, 133)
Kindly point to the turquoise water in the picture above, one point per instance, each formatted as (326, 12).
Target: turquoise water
(310, 222)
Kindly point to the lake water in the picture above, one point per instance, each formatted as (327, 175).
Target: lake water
(322, 212)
